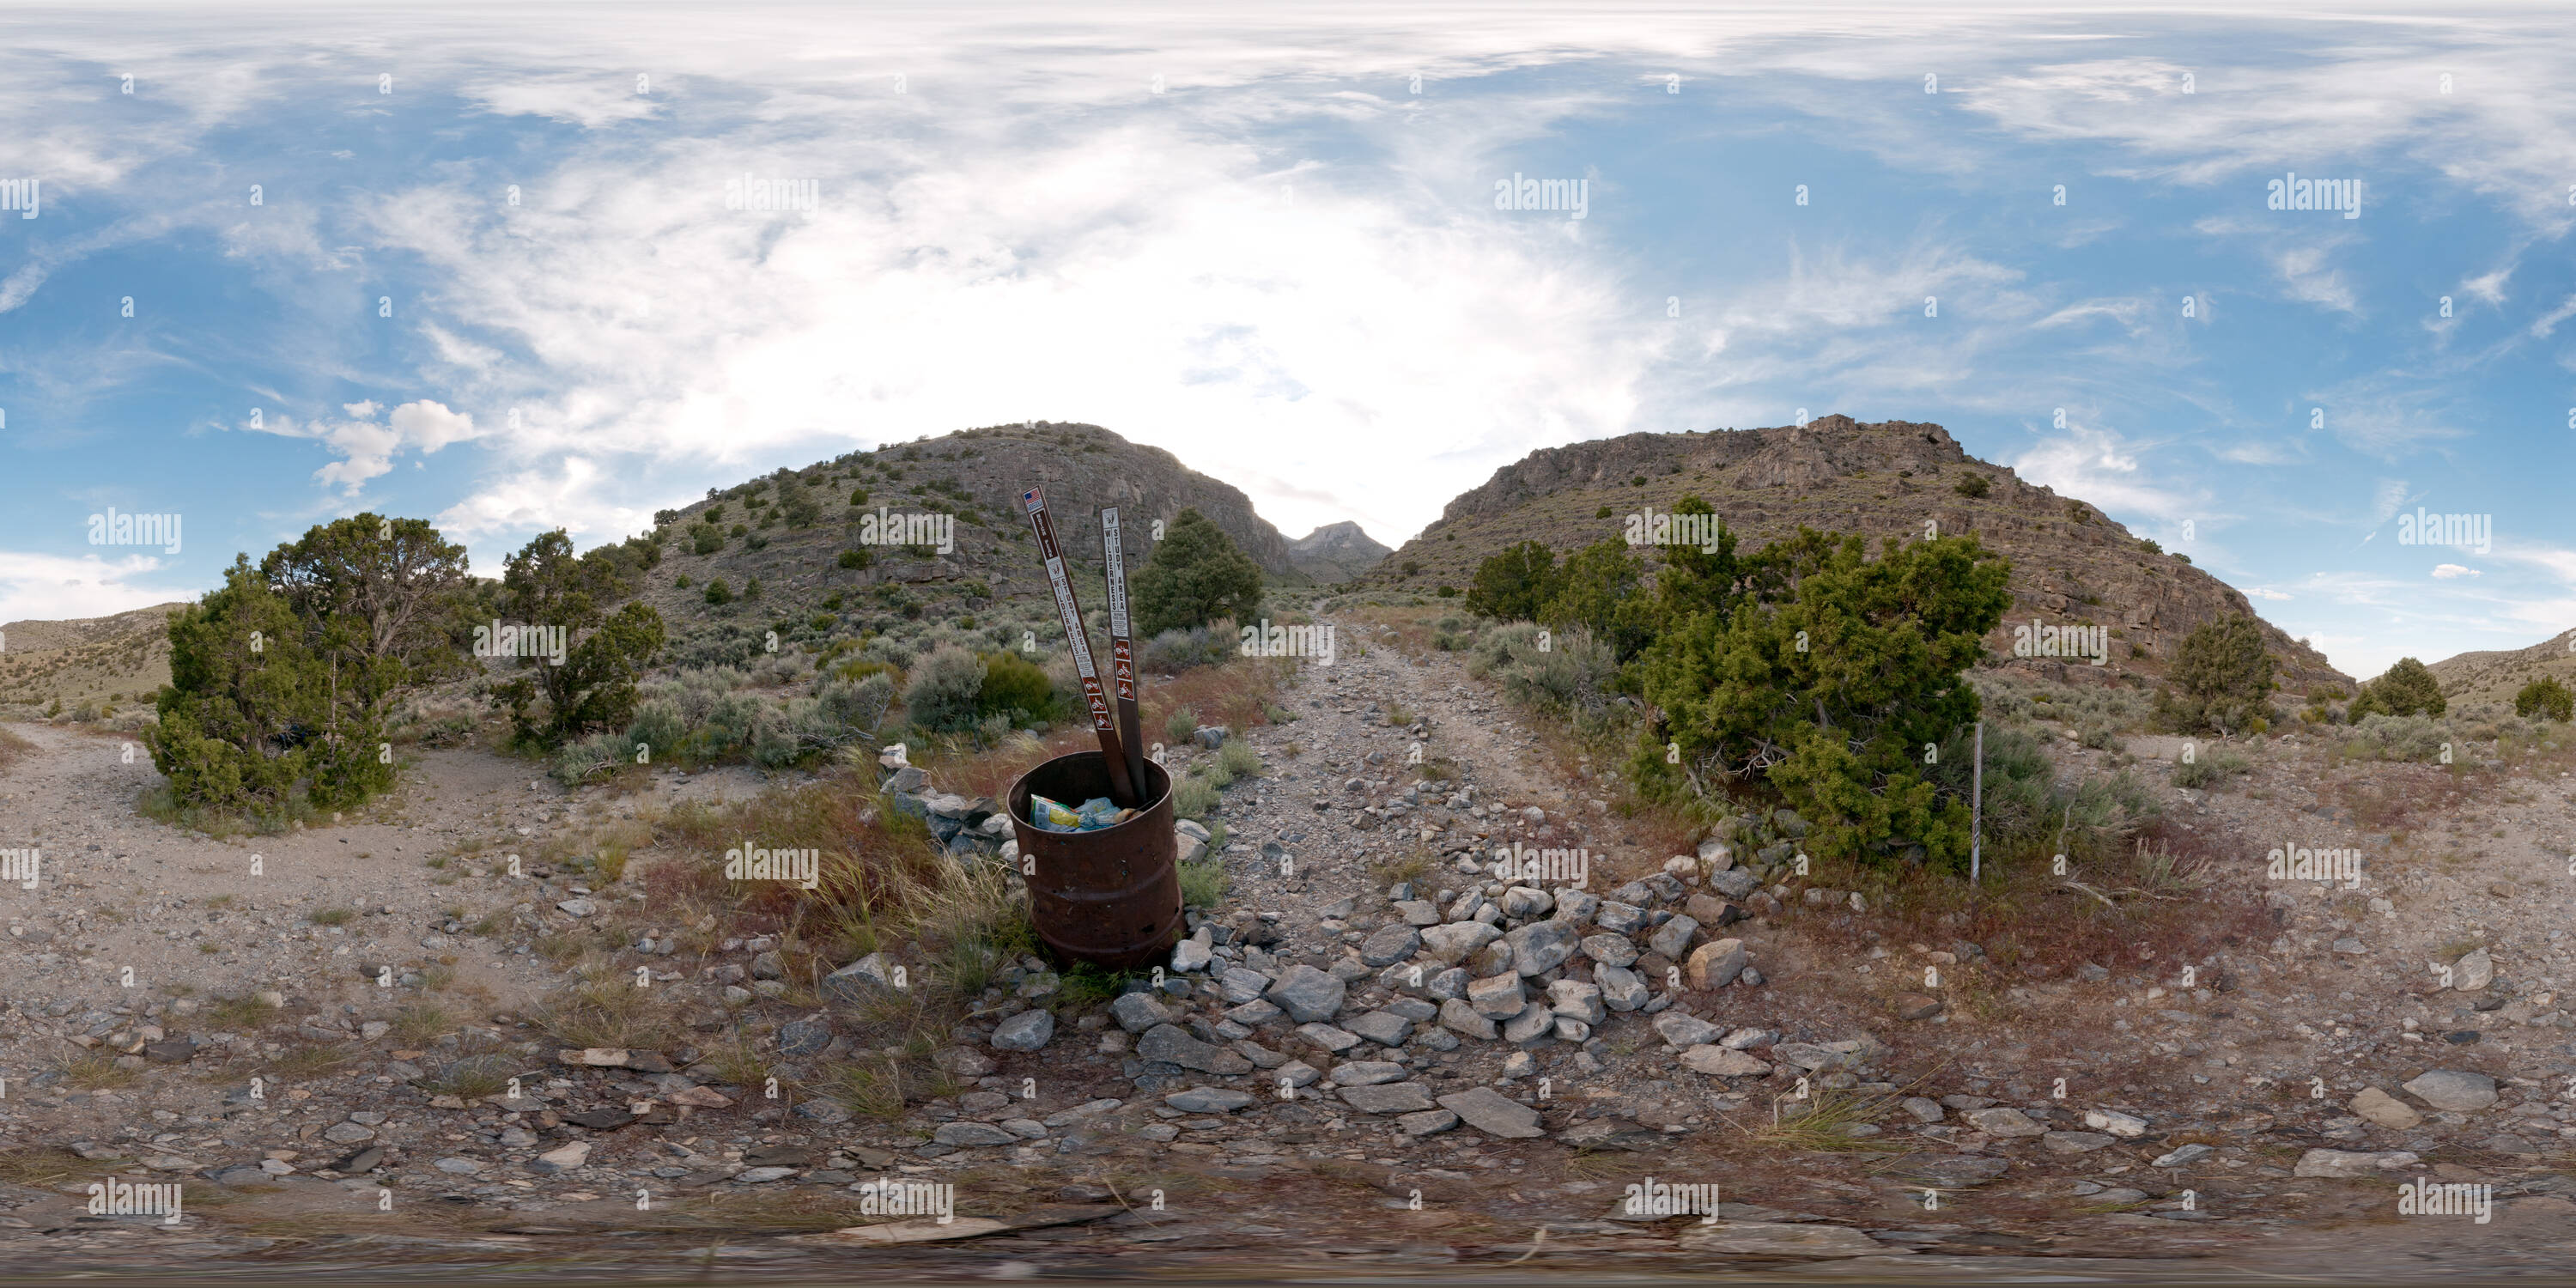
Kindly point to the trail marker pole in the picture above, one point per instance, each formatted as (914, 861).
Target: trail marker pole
(1122, 789)
(1977, 806)
(1122, 647)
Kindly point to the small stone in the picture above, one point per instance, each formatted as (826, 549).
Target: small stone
(1171, 1044)
(1452, 943)
(1577, 1000)
(1493, 1113)
(1715, 965)
(1717, 1061)
(1297, 1073)
(2386, 1110)
(2124, 1126)
(576, 907)
(964, 1062)
(1610, 950)
(1621, 989)
(1619, 918)
(2473, 972)
(1460, 1018)
(803, 1037)
(1418, 913)
(2183, 1157)
(1381, 1027)
(1534, 1024)
(1390, 944)
(1308, 994)
(1429, 1122)
(561, 1159)
(2003, 1121)
(1194, 953)
(1673, 938)
(2346, 1164)
(1388, 1097)
(1137, 1012)
(1541, 946)
(1923, 1108)
(1335, 1040)
(1367, 1073)
(968, 1135)
(1497, 997)
(1916, 1006)
(2075, 1142)
(1685, 1030)
(1209, 1100)
(1026, 1031)
(2455, 1090)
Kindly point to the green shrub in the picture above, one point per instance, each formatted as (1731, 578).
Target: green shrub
(718, 592)
(1015, 687)
(1195, 576)
(2221, 680)
(2212, 770)
(705, 538)
(1194, 797)
(944, 690)
(1179, 725)
(1972, 485)
(2545, 697)
(1238, 758)
(1174, 651)
(1514, 584)
(2408, 689)
(1204, 883)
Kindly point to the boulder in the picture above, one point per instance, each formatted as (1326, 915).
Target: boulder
(1715, 964)
(1493, 1113)
(2455, 1090)
(1307, 994)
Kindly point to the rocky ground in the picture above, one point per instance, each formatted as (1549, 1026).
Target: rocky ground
(1379, 1055)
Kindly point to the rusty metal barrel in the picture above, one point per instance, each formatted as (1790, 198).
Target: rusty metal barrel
(1110, 897)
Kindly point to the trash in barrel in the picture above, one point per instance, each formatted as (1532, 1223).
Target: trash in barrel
(1111, 897)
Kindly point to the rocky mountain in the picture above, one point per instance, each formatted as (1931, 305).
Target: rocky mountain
(823, 543)
(1336, 552)
(2072, 565)
(2495, 676)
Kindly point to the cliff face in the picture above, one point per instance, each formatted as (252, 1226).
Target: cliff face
(1336, 552)
(2071, 564)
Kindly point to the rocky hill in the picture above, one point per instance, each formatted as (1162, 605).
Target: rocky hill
(1337, 552)
(118, 661)
(2071, 563)
(2495, 676)
(791, 530)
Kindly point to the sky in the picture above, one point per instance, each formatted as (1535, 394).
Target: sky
(507, 268)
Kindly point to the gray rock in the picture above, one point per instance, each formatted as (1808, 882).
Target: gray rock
(1534, 1024)
(1428, 1122)
(1737, 884)
(1673, 938)
(2473, 972)
(1452, 943)
(2386, 1110)
(1414, 1009)
(1576, 907)
(2184, 1156)
(803, 1037)
(1209, 1100)
(1390, 944)
(1381, 1027)
(1255, 1012)
(1367, 1073)
(1418, 913)
(1923, 1108)
(1610, 950)
(855, 983)
(1170, 1044)
(2344, 1164)
(1242, 984)
(1718, 1061)
(1388, 1097)
(561, 1159)
(1308, 994)
(2003, 1121)
(348, 1133)
(1621, 990)
(1619, 919)
(1448, 984)
(1520, 903)
(1026, 1031)
(1542, 946)
(970, 1135)
(1296, 1073)
(2455, 1090)
(768, 965)
(2074, 1142)
(2125, 1126)
(1685, 1030)
(1578, 1000)
(1194, 953)
(1460, 1018)
(1137, 1012)
(1497, 997)
(1328, 1037)
(1493, 1113)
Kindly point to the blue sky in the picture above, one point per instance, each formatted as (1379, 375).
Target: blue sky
(1282, 261)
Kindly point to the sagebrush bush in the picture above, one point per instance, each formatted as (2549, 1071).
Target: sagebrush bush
(1178, 726)
(1573, 676)
(1015, 687)
(1175, 651)
(2379, 736)
(944, 690)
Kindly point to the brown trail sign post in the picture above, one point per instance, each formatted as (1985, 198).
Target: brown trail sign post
(1122, 646)
(1122, 786)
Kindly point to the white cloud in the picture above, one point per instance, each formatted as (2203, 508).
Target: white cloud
(2445, 572)
(46, 587)
(2267, 593)
(2100, 466)
(366, 448)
